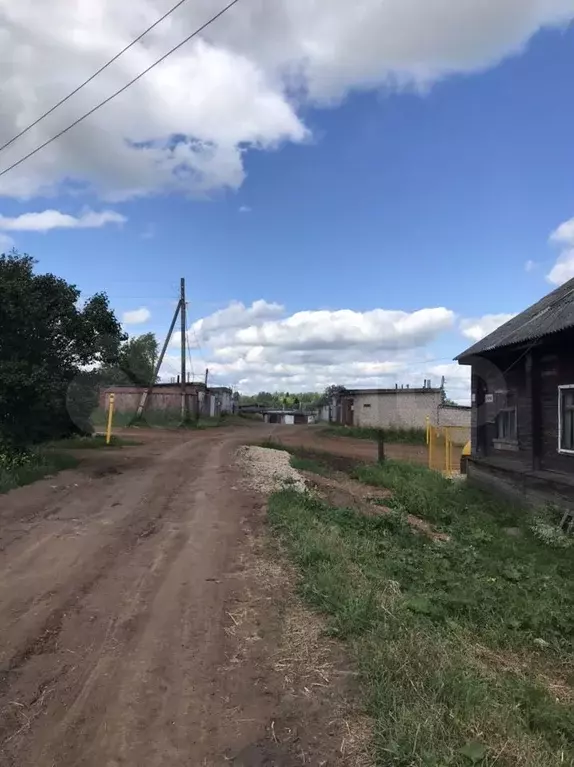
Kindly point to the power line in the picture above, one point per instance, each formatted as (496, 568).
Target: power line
(92, 77)
(121, 90)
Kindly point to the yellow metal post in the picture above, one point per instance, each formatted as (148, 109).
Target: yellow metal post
(429, 440)
(446, 441)
(110, 418)
(428, 429)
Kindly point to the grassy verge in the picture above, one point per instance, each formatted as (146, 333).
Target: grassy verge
(95, 442)
(163, 419)
(464, 648)
(392, 435)
(311, 464)
(16, 471)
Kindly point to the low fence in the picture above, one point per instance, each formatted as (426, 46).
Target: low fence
(445, 446)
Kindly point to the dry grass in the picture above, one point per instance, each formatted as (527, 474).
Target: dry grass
(309, 665)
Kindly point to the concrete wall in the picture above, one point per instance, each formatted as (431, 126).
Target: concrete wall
(450, 415)
(219, 402)
(127, 398)
(401, 408)
(324, 413)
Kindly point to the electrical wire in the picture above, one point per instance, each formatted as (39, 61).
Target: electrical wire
(92, 77)
(120, 90)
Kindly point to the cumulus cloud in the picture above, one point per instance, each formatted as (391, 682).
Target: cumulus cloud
(54, 219)
(245, 209)
(478, 328)
(377, 329)
(530, 266)
(136, 316)
(260, 347)
(242, 84)
(235, 316)
(563, 269)
(6, 243)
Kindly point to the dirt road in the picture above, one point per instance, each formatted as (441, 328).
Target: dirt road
(115, 591)
(314, 438)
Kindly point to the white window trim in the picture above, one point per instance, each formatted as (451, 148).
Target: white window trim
(560, 448)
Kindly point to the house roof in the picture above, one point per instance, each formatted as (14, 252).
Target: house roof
(551, 314)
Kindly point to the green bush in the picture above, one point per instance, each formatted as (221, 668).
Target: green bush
(19, 468)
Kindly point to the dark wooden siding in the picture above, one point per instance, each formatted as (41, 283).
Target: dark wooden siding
(556, 369)
(531, 376)
(504, 379)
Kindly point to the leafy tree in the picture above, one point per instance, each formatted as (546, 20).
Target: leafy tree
(137, 359)
(47, 341)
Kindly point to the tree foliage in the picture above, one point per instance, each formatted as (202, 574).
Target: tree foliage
(307, 400)
(47, 340)
(136, 362)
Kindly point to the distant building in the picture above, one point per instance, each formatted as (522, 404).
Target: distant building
(523, 403)
(204, 401)
(401, 408)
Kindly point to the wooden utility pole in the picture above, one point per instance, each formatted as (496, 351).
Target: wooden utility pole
(147, 392)
(381, 446)
(206, 376)
(183, 313)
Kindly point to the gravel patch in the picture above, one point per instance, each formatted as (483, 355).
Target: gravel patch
(268, 470)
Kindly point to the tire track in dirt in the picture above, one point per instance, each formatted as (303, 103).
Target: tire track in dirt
(32, 640)
(117, 614)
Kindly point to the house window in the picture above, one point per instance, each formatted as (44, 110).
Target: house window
(506, 424)
(506, 430)
(366, 405)
(566, 417)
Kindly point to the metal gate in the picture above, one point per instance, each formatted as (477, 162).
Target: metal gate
(445, 445)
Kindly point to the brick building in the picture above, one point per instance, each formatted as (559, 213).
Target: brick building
(401, 408)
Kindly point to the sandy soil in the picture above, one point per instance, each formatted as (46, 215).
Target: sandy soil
(122, 588)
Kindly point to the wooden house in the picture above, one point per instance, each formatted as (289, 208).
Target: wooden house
(522, 417)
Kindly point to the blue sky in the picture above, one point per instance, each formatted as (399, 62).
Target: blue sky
(440, 196)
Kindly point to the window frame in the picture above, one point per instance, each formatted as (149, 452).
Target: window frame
(561, 449)
(513, 439)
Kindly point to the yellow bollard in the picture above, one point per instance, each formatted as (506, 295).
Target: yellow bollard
(110, 418)
(428, 429)
(429, 442)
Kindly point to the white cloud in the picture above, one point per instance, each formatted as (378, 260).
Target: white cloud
(54, 219)
(186, 125)
(478, 328)
(564, 234)
(378, 329)
(530, 266)
(235, 316)
(6, 243)
(563, 269)
(245, 209)
(261, 347)
(136, 316)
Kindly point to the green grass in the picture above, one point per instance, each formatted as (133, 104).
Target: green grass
(392, 435)
(95, 442)
(464, 648)
(312, 465)
(16, 471)
(163, 419)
